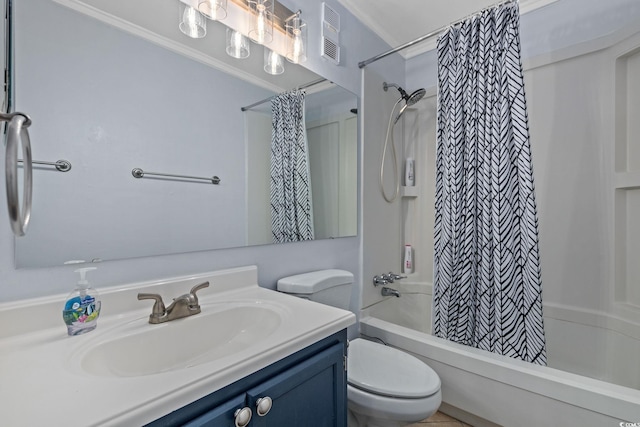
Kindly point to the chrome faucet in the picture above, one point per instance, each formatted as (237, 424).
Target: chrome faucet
(183, 306)
(387, 292)
(391, 277)
(385, 279)
(379, 280)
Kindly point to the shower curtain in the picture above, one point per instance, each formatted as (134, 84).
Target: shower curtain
(291, 210)
(487, 287)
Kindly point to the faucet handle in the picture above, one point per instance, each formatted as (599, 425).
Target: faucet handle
(196, 288)
(379, 280)
(396, 276)
(158, 309)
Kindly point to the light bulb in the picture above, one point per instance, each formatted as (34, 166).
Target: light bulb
(273, 63)
(297, 44)
(215, 10)
(189, 17)
(214, 15)
(237, 43)
(193, 23)
(261, 24)
(297, 48)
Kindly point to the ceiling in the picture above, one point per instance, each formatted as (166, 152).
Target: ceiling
(401, 21)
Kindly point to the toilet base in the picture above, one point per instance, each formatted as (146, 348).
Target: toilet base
(370, 410)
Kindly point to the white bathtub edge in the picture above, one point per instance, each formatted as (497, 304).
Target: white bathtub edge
(608, 399)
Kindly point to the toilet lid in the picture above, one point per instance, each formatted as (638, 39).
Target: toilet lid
(389, 372)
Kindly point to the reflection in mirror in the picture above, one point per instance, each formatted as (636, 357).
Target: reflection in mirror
(109, 102)
(331, 130)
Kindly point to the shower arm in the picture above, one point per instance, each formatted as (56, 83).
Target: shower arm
(403, 93)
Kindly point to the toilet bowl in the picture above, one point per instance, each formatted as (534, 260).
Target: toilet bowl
(386, 386)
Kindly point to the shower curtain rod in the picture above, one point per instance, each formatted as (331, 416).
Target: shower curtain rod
(364, 63)
(304, 86)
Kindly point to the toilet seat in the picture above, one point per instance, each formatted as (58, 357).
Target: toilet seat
(386, 371)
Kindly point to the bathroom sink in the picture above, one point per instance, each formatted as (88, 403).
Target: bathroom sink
(128, 372)
(137, 349)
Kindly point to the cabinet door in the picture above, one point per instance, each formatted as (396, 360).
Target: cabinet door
(310, 394)
(220, 416)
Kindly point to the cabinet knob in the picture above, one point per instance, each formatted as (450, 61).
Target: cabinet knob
(242, 416)
(263, 406)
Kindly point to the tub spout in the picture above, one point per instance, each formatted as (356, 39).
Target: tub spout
(387, 292)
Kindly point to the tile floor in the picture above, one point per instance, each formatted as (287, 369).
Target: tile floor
(440, 420)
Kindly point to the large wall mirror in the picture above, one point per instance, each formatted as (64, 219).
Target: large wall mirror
(111, 86)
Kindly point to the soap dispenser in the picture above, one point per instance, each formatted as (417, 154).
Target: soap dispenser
(82, 308)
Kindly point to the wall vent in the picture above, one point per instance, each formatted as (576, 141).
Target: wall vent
(330, 34)
(331, 17)
(330, 50)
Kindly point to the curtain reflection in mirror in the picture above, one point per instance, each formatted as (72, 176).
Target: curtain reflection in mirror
(291, 207)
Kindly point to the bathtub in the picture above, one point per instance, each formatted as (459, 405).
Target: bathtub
(485, 389)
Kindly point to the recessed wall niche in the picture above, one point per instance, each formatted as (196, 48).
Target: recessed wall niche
(627, 179)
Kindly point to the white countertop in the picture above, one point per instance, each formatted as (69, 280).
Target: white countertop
(43, 380)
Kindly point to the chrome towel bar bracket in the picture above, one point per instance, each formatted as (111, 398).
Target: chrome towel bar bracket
(60, 165)
(139, 173)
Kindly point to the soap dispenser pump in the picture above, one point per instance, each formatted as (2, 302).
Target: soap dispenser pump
(82, 306)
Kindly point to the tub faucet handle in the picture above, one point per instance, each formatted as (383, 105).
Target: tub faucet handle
(380, 280)
(388, 278)
(396, 276)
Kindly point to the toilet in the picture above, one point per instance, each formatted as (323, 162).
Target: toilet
(386, 387)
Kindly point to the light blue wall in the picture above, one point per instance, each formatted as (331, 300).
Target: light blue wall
(108, 102)
(273, 261)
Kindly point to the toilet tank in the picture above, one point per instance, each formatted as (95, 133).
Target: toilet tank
(330, 287)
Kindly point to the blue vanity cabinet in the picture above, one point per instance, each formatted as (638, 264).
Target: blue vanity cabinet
(307, 389)
(309, 394)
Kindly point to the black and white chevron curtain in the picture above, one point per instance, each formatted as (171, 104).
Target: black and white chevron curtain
(487, 287)
(291, 209)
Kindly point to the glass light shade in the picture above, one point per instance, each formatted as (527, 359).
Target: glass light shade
(192, 22)
(237, 44)
(273, 63)
(296, 40)
(261, 24)
(215, 10)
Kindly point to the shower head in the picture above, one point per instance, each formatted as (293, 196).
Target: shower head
(409, 99)
(415, 96)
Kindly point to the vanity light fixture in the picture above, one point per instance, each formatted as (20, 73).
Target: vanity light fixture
(192, 22)
(296, 38)
(261, 23)
(250, 19)
(273, 62)
(237, 44)
(216, 10)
